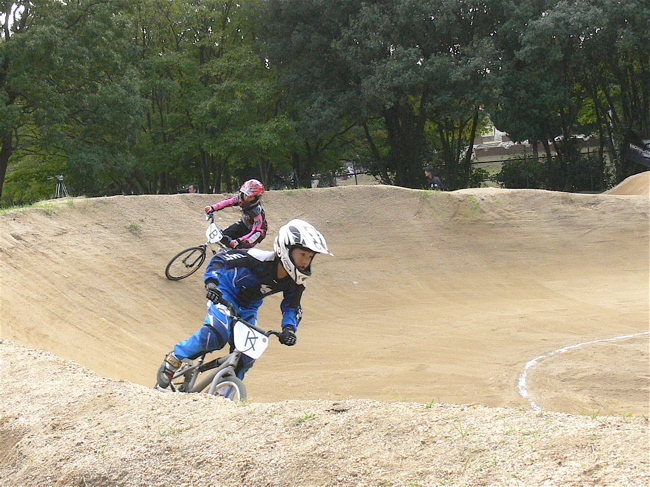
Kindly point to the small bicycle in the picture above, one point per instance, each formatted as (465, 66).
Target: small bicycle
(188, 261)
(217, 377)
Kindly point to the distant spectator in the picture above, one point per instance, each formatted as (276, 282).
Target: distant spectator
(433, 182)
(192, 188)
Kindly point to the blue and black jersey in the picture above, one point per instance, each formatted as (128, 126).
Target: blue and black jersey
(247, 276)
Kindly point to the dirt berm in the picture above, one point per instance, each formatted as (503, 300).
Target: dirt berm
(476, 337)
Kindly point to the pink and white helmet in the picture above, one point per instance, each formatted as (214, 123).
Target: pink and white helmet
(252, 187)
(298, 233)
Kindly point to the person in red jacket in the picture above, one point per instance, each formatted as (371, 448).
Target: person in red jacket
(252, 227)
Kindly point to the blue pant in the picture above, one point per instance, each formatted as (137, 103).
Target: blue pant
(215, 333)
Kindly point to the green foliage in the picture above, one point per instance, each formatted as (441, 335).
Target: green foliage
(584, 172)
(577, 67)
(67, 71)
(211, 114)
(29, 180)
(526, 172)
(478, 177)
(417, 71)
(148, 96)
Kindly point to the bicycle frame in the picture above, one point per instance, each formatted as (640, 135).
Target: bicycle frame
(248, 339)
(230, 361)
(188, 261)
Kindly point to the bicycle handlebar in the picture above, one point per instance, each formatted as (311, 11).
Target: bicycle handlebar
(232, 312)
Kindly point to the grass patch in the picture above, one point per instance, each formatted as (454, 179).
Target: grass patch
(171, 430)
(10, 209)
(463, 429)
(303, 418)
(135, 228)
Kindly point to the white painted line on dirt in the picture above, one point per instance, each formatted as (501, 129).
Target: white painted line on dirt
(523, 377)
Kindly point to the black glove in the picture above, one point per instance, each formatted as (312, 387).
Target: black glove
(287, 337)
(213, 293)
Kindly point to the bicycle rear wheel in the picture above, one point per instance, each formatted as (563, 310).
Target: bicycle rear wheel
(185, 263)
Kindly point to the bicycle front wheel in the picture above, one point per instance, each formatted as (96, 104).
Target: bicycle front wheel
(185, 263)
(230, 387)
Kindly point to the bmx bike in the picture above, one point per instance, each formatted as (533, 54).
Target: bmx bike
(188, 261)
(217, 377)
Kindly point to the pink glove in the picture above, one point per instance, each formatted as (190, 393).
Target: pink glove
(209, 209)
(234, 242)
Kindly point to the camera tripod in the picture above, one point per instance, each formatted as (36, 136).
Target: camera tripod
(61, 190)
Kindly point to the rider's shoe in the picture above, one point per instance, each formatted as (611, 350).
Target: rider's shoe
(167, 369)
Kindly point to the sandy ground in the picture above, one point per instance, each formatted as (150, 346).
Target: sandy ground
(461, 308)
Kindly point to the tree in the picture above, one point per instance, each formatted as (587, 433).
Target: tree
(319, 99)
(14, 19)
(617, 77)
(68, 89)
(421, 68)
(212, 112)
(578, 67)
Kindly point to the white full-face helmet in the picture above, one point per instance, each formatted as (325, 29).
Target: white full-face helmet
(298, 233)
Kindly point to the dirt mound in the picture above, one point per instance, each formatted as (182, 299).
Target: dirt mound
(431, 299)
(639, 184)
(63, 425)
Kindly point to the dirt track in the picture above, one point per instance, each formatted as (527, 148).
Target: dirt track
(430, 298)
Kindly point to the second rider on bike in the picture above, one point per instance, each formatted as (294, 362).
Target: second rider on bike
(251, 228)
(244, 277)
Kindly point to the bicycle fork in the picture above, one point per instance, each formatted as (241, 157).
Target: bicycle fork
(227, 367)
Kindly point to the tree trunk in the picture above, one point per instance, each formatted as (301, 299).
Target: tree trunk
(376, 156)
(5, 153)
(405, 146)
(470, 150)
